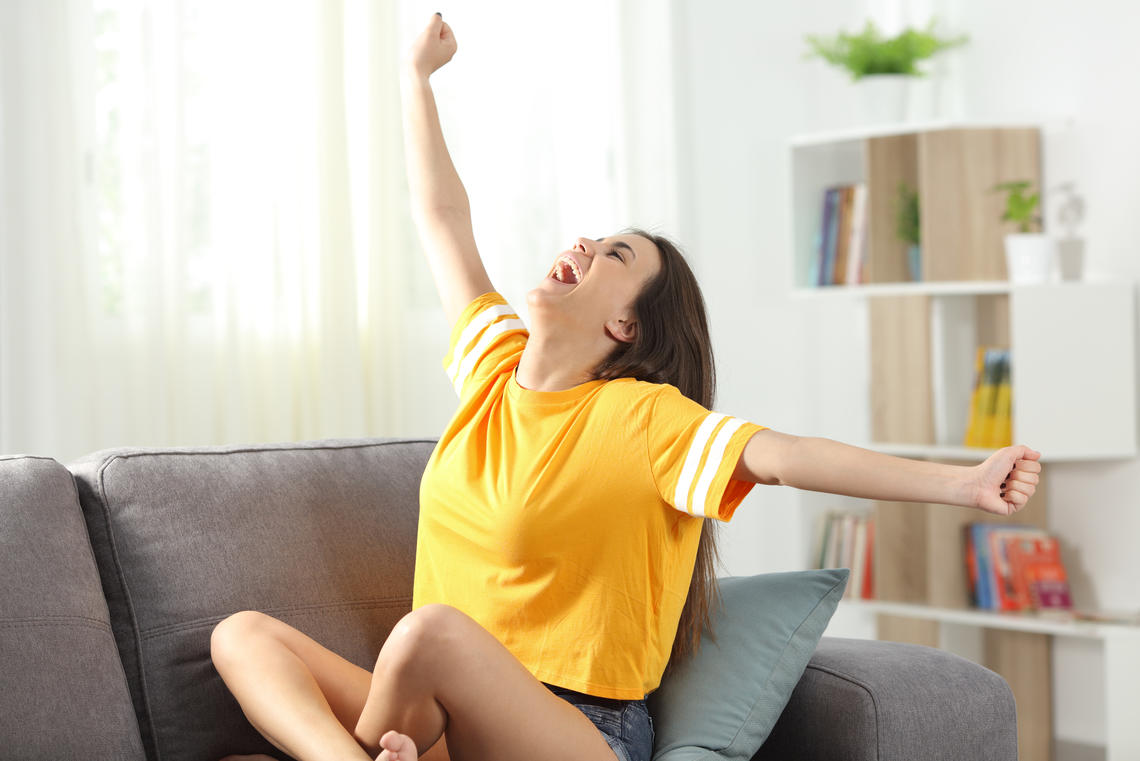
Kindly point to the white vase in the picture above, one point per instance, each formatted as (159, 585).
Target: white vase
(883, 97)
(1031, 258)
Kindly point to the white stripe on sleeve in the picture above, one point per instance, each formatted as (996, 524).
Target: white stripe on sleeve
(479, 322)
(493, 332)
(712, 465)
(692, 460)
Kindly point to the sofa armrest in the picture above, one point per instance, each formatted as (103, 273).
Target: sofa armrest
(887, 701)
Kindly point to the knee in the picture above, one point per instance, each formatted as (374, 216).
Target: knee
(426, 635)
(234, 632)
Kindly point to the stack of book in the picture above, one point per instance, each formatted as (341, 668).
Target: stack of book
(1015, 568)
(991, 404)
(847, 540)
(841, 243)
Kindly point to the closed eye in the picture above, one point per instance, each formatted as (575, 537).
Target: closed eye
(619, 256)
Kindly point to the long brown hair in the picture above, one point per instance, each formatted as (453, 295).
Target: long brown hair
(672, 345)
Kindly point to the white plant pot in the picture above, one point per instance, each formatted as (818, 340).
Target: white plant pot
(1031, 258)
(883, 97)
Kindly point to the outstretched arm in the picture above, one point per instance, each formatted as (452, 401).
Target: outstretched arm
(439, 202)
(1001, 485)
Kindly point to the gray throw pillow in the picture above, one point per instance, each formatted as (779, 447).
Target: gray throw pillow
(724, 701)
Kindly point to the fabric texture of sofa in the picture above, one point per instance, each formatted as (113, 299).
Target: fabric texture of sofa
(118, 565)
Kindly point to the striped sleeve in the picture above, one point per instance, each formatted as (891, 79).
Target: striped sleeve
(487, 333)
(693, 453)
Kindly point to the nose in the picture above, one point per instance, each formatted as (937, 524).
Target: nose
(585, 245)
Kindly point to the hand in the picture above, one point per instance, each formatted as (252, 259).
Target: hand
(432, 49)
(1006, 480)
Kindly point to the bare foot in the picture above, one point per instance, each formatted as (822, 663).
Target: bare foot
(397, 747)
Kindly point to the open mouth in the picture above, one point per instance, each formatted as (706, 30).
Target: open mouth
(566, 271)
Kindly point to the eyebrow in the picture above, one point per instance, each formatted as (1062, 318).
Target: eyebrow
(622, 244)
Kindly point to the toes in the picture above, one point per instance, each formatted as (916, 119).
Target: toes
(397, 747)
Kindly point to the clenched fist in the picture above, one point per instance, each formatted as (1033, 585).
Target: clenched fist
(432, 49)
(1006, 480)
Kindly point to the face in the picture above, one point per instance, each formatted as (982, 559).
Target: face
(593, 284)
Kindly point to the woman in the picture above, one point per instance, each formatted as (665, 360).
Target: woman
(563, 557)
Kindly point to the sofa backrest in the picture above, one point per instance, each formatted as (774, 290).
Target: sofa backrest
(321, 535)
(63, 693)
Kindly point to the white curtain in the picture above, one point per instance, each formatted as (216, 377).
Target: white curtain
(204, 228)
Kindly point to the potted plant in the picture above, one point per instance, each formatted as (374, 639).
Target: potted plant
(907, 228)
(882, 67)
(1031, 256)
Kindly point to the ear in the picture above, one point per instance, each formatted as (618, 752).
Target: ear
(624, 330)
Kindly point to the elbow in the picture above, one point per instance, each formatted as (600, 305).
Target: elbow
(786, 461)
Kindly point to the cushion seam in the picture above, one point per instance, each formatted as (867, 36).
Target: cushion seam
(63, 622)
(871, 693)
(132, 620)
(262, 448)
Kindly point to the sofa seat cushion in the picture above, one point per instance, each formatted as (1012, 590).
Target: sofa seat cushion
(64, 692)
(320, 535)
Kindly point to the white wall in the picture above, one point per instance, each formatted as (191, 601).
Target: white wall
(743, 89)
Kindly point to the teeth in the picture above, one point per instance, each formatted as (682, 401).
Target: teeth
(568, 262)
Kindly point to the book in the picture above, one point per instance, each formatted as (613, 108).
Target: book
(858, 559)
(846, 540)
(984, 396)
(827, 237)
(1007, 587)
(868, 590)
(857, 252)
(833, 544)
(843, 239)
(1000, 424)
(1014, 568)
(971, 565)
(1041, 573)
(988, 397)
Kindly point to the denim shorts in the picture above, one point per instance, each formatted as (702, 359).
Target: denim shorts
(625, 724)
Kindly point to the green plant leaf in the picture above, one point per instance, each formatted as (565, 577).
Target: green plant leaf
(868, 52)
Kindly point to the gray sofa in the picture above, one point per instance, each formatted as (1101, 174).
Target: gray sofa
(117, 567)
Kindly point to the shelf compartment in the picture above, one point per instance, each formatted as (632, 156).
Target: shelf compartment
(953, 168)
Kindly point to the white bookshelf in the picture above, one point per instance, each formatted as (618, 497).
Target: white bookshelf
(1074, 378)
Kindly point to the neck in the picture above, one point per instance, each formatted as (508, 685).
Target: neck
(548, 364)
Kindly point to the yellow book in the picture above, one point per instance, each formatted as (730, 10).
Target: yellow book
(987, 401)
(1001, 434)
(973, 424)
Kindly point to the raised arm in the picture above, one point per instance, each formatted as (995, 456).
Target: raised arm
(440, 207)
(1001, 485)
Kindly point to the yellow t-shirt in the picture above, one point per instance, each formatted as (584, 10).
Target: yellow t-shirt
(566, 522)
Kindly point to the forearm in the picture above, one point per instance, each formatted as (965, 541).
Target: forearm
(432, 180)
(824, 465)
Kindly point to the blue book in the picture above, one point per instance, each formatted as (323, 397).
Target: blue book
(982, 554)
(829, 227)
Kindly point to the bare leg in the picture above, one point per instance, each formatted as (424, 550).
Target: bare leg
(300, 696)
(440, 670)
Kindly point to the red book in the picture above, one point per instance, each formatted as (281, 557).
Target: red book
(1002, 583)
(1039, 566)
